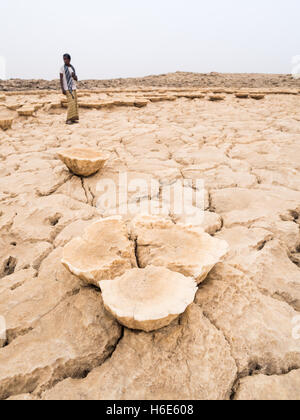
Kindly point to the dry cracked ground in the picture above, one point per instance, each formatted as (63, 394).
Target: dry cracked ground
(240, 338)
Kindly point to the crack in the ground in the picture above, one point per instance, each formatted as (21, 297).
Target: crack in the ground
(13, 334)
(229, 346)
(84, 190)
(84, 374)
(253, 372)
(136, 251)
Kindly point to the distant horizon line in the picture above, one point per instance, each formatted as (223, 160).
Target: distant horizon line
(213, 73)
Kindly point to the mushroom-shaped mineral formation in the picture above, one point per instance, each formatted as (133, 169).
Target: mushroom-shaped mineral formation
(103, 252)
(242, 95)
(5, 123)
(216, 98)
(187, 250)
(148, 299)
(83, 162)
(26, 111)
(257, 96)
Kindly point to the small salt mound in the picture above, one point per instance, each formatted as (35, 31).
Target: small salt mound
(257, 96)
(103, 252)
(186, 250)
(148, 299)
(5, 122)
(83, 162)
(216, 98)
(242, 95)
(26, 111)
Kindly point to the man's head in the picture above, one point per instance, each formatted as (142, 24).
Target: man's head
(67, 59)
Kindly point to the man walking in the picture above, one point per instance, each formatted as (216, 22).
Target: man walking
(68, 79)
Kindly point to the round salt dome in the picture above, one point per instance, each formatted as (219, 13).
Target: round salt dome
(257, 96)
(216, 98)
(186, 250)
(26, 111)
(5, 122)
(148, 299)
(83, 161)
(103, 252)
(242, 95)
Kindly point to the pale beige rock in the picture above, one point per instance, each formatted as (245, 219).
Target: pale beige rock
(138, 145)
(275, 165)
(5, 123)
(148, 299)
(93, 105)
(131, 102)
(6, 218)
(73, 338)
(83, 162)
(72, 231)
(162, 98)
(103, 253)
(247, 206)
(286, 231)
(243, 242)
(47, 216)
(26, 111)
(218, 176)
(216, 98)
(266, 261)
(194, 217)
(189, 360)
(257, 327)
(242, 95)
(141, 103)
(275, 274)
(295, 258)
(3, 334)
(270, 388)
(181, 195)
(165, 172)
(55, 105)
(285, 176)
(22, 397)
(37, 107)
(224, 177)
(16, 256)
(210, 157)
(41, 182)
(13, 106)
(26, 298)
(125, 191)
(194, 95)
(212, 222)
(187, 250)
(13, 281)
(75, 189)
(257, 96)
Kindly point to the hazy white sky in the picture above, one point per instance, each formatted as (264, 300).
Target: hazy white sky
(122, 38)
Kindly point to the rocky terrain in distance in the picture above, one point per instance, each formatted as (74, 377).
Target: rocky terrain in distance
(179, 79)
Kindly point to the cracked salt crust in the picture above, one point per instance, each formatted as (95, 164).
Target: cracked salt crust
(248, 154)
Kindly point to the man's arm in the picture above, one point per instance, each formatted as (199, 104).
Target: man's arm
(62, 84)
(74, 75)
